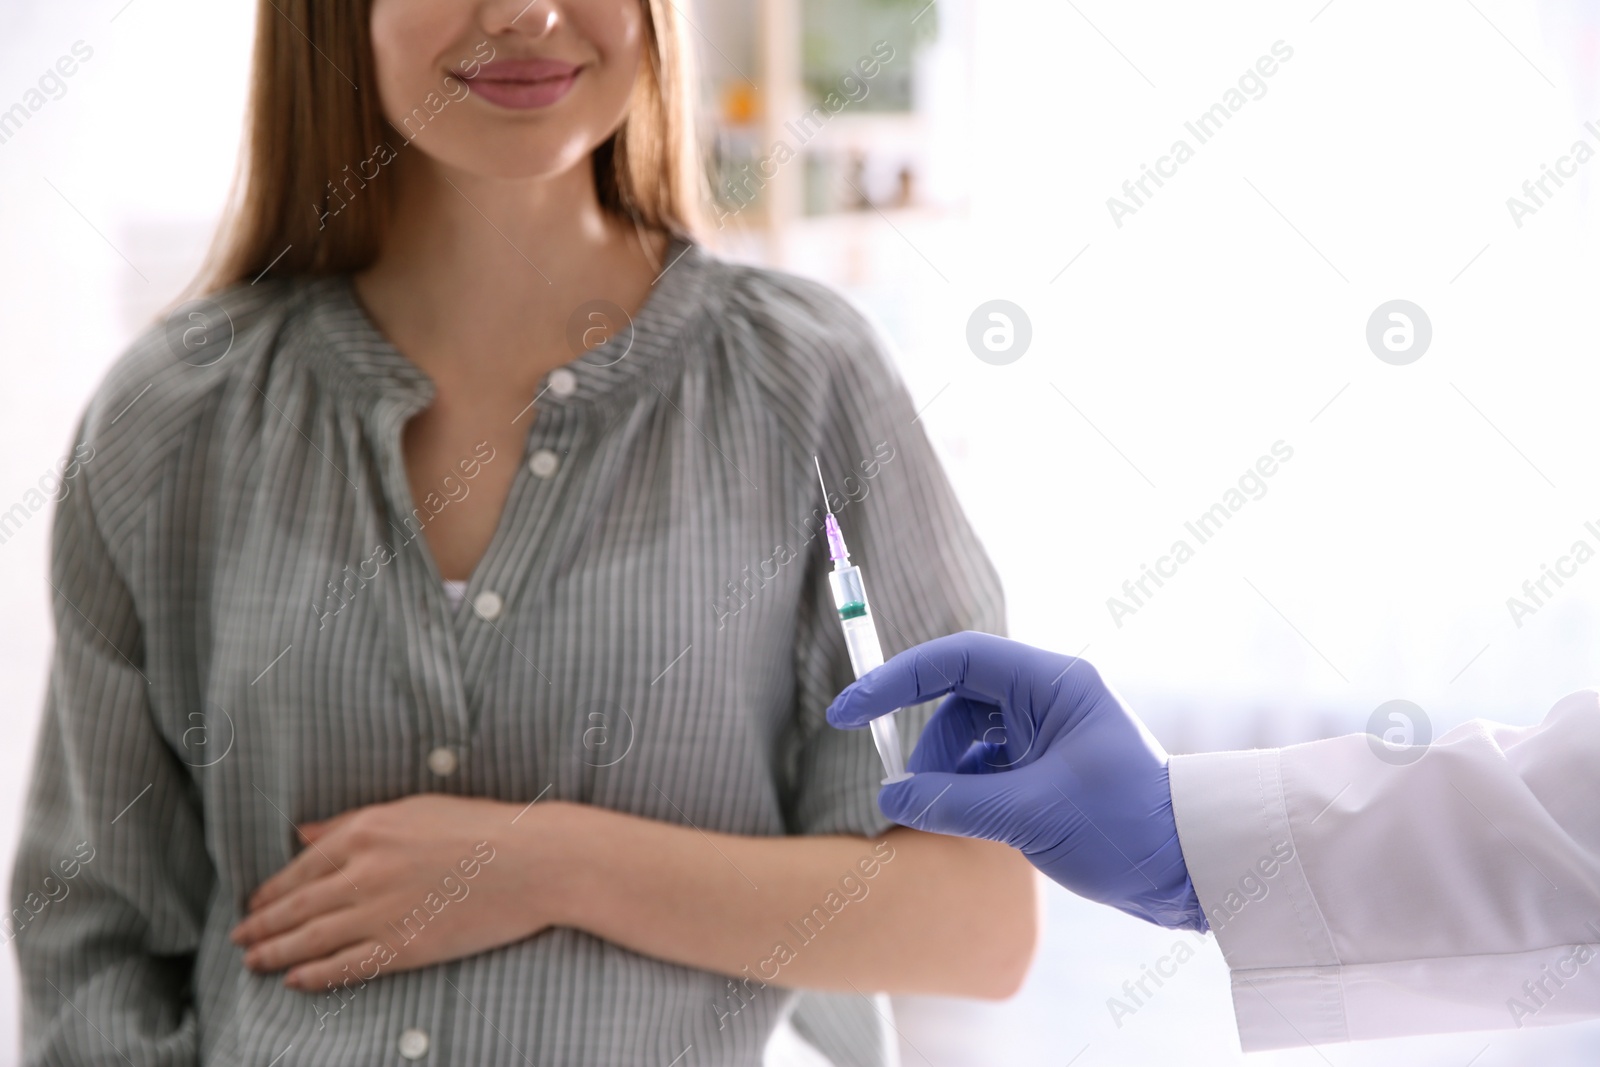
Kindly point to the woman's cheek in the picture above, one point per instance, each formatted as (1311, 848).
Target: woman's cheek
(405, 41)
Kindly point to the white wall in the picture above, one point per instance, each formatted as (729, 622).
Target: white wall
(1224, 316)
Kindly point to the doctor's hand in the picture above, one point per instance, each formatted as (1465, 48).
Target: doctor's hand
(1030, 748)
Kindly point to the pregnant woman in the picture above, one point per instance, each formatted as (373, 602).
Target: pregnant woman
(457, 328)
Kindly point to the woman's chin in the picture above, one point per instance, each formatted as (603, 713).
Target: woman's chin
(498, 159)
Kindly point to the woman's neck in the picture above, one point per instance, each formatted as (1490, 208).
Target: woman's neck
(479, 276)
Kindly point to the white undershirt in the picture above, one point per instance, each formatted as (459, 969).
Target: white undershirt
(455, 590)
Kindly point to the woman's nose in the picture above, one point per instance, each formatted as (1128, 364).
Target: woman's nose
(529, 18)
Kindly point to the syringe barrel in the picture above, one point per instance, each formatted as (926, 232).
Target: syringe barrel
(861, 638)
(855, 616)
(886, 736)
(849, 594)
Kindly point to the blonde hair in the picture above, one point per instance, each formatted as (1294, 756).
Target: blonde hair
(313, 114)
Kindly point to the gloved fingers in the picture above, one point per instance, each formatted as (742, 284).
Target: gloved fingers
(981, 759)
(985, 806)
(968, 736)
(977, 665)
(1010, 739)
(950, 733)
(997, 749)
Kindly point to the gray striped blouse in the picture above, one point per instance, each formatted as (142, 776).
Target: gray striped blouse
(251, 633)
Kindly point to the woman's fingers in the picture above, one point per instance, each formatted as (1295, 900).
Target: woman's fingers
(322, 856)
(312, 831)
(295, 907)
(364, 959)
(316, 939)
(314, 861)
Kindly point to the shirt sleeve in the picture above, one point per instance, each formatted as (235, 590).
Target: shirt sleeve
(110, 881)
(925, 572)
(1362, 893)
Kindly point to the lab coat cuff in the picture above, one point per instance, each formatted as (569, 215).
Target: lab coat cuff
(1233, 826)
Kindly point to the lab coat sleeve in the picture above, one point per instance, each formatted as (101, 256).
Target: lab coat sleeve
(1355, 896)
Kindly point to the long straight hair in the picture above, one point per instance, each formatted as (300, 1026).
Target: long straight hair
(314, 122)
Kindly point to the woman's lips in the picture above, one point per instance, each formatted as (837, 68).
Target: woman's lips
(523, 83)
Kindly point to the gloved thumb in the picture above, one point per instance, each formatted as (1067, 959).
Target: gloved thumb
(963, 805)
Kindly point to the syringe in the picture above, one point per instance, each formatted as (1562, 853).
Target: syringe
(860, 634)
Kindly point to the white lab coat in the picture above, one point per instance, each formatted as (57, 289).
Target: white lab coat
(1357, 898)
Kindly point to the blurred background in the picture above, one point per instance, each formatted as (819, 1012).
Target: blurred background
(1161, 341)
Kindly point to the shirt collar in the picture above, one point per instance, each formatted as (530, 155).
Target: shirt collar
(355, 358)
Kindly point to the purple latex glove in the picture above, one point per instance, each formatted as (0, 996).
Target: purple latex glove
(1032, 749)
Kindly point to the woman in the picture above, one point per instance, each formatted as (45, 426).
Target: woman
(594, 815)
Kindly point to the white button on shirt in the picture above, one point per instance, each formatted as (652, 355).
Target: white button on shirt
(487, 604)
(442, 761)
(563, 382)
(413, 1044)
(543, 463)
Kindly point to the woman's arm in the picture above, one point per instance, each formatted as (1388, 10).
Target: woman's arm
(824, 911)
(110, 880)
(821, 912)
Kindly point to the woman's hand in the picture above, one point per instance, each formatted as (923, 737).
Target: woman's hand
(391, 887)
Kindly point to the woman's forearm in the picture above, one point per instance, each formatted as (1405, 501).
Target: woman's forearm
(892, 914)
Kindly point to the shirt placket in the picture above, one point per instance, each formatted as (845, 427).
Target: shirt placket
(417, 617)
(506, 584)
(444, 655)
